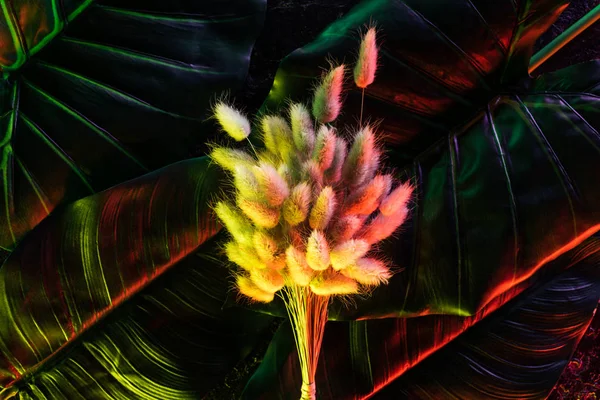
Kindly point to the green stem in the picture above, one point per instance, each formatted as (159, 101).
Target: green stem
(561, 40)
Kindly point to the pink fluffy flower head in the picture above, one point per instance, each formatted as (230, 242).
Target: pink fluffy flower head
(310, 205)
(366, 65)
(327, 101)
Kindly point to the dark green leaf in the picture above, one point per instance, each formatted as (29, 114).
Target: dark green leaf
(507, 199)
(440, 62)
(76, 319)
(515, 351)
(124, 90)
(496, 201)
(28, 25)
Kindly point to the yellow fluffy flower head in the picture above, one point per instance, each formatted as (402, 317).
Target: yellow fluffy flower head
(310, 206)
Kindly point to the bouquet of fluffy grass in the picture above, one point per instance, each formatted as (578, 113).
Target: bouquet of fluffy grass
(309, 208)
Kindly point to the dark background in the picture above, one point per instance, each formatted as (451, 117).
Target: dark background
(290, 24)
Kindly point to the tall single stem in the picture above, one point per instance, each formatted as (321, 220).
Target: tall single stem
(362, 103)
(308, 315)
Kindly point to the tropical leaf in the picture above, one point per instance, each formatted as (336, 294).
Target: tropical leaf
(505, 198)
(123, 91)
(440, 62)
(27, 26)
(89, 308)
(515, 351)
(484, 194)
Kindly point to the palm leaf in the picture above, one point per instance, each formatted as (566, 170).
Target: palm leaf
(122, 91)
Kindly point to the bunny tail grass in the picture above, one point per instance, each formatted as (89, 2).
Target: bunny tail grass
(327, 101)
(232, 121)
(366, 65)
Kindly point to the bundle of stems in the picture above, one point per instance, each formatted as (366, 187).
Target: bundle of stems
(308, 315)
(309, 208)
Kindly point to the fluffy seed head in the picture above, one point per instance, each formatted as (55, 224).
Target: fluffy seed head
(273, 187)
(346, 227)
(383, 226)
(334, 173)
(232, 121)
(267, 279)
(297, 238)
(229, 159)
(259, 213)
(333, 283)
(327, 96)
(238, 226)
(243, 256)
(265, 246)
(302, 128)
(278, 263)
(298, 268)
(295, 207)
(368, 271)
(347, 253)
(366, 65)
(317, 251)
(312, 173)
(246, 183)
(323, 210)
(363, 158)
(277, 136)
(249, 289)
(368, 197)
(396, 200)
(324, 147)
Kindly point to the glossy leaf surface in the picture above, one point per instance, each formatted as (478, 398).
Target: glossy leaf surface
(504, 201)
(496, 201)
(515, 351)
(123, 91)
(440, 62)
(28, 25)
(90, 264)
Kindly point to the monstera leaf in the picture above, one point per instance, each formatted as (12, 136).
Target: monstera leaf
(90, 308)
(122, 91)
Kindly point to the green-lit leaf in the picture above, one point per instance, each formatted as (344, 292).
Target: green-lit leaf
(28, 25)
(122, 91)
(89, 306)
(514, 352)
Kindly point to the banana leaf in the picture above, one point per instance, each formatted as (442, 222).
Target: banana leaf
(90, 306)
(122, 91)
(511, 350)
